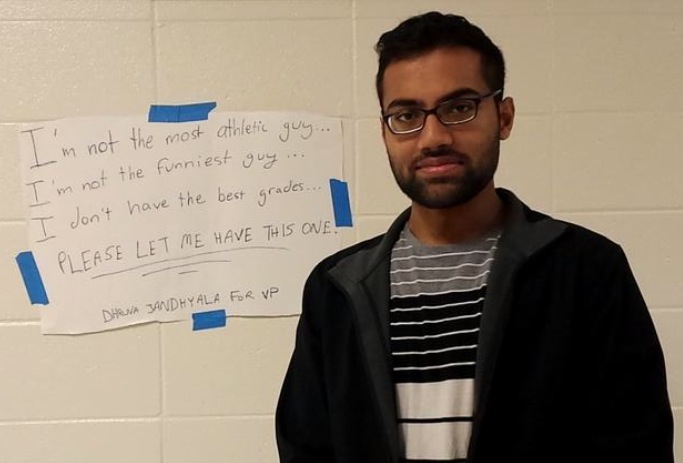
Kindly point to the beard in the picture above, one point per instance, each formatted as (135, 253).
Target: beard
(446, 191)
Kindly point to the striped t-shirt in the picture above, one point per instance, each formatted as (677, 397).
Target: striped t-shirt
(437, 296)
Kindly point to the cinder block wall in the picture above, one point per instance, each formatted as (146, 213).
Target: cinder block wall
(597, 141)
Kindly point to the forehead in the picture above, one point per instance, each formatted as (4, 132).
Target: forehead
(429, 76)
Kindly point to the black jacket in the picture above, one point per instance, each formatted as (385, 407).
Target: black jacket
(569, 368)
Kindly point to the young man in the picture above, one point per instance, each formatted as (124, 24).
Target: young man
(475, 329)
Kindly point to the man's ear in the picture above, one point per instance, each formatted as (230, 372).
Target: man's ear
(506, 110)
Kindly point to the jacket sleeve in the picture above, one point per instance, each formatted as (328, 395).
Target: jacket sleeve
(629, 415)
(301, 421)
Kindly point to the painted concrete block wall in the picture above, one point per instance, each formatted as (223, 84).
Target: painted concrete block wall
(597, 141)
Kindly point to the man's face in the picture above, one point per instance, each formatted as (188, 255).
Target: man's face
(443, 166)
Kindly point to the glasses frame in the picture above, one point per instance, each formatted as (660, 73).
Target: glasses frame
(474, 99)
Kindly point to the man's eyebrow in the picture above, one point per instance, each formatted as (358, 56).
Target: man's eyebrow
(459, 93)
(402, 103)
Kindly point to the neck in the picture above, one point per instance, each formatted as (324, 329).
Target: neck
(459, 223)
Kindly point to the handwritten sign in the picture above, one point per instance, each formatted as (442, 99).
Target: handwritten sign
(132, 221)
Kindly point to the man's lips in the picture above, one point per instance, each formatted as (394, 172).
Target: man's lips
(438, 164)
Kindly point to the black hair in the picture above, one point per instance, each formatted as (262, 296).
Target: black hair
(427, 32)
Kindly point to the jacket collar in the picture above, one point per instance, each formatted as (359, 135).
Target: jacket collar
(525, 233)
(364, 277)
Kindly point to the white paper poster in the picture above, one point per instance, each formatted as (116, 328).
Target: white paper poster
(132, 221)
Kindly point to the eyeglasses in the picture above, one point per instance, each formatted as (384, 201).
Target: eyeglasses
(451, 112)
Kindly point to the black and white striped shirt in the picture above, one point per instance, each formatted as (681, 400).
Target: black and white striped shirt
(437, 295)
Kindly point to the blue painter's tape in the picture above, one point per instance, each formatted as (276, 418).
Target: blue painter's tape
(32, 280)
(180, 113)
(208, 320)
(340, 203)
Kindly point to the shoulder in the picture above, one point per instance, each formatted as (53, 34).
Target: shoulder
(581, 240)
(322, 292)
(535, 235)
(573, 233)
(579, 255)
(362, 258)
(354, 252)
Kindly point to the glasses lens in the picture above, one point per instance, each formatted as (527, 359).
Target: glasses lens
(455, 111)
(406, 120)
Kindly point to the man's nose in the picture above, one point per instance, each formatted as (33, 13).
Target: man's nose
(434, 134)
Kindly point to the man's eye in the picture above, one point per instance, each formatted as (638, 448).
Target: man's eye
(407, 116)
(459, 107)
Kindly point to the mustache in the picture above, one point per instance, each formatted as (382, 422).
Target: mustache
(442, 152)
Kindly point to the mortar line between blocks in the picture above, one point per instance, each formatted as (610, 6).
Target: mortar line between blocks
(80, 421)
(160, 331)
(155, 48)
